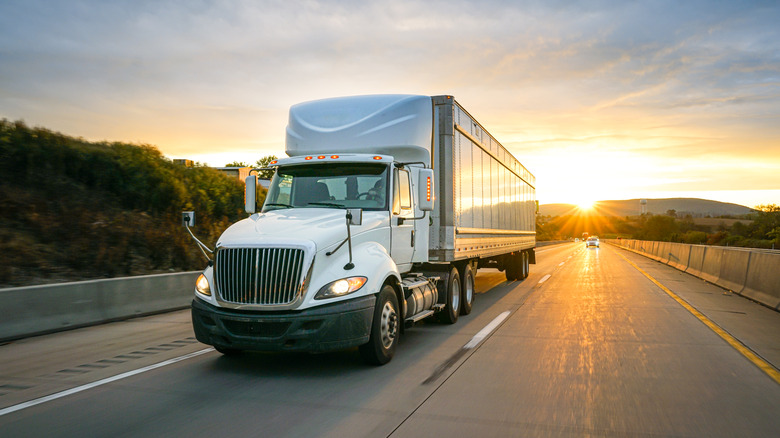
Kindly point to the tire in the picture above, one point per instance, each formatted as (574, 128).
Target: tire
(452, 307)
(514, 267)
(526, 264)
(385, 329)
(467, 289)
(228, 351)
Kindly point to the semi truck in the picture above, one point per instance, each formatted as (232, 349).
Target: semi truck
(380, 217)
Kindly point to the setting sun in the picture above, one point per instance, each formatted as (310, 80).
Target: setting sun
(585, 204)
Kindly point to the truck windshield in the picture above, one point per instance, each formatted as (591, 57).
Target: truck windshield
(329, 185)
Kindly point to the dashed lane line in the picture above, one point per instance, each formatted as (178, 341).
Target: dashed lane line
(81, 388)
(472, 344)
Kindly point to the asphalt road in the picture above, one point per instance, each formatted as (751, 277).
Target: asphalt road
(588, 345)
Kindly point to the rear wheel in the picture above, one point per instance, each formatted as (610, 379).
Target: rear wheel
(514, 267)
(524, 261)
(384, 329)
(467, 289)
(452, 307)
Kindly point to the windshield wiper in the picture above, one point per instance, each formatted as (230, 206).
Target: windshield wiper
(278, 205)
(327, 204)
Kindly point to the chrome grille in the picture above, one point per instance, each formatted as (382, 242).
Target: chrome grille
(266, 276)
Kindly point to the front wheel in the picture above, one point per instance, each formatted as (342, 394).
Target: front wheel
(227, 351)
(384, 329)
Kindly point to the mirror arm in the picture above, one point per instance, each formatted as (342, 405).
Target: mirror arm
(201, 245)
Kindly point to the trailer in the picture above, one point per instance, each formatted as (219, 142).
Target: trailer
(487, 207)
(379, 218)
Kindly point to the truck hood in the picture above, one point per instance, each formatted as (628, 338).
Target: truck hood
(323, 226)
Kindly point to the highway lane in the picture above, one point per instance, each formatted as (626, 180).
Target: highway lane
(596, 349)
(600, 350)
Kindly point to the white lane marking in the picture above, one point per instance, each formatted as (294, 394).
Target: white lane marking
(485, 332)
(81, 388)
(545, 278)
(561, 263)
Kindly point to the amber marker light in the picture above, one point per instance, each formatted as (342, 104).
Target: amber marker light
(334, 156)
(377, 157)
(428, 189)
(308, 158)
(273, 162)
(321, 157)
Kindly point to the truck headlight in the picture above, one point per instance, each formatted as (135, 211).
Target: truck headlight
(202, 285)
(340, 288)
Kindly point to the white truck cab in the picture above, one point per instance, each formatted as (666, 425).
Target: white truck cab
(351, 244)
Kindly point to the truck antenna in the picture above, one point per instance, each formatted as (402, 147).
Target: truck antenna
(349, 265)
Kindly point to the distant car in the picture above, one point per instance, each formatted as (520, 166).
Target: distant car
(592, 241)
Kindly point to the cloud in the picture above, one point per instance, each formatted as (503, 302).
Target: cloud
(664, 79)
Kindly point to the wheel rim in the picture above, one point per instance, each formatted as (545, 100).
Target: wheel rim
(388, 326)
(469, 289)
(456, 295)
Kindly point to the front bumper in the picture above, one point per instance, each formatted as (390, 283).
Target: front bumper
(330, 327)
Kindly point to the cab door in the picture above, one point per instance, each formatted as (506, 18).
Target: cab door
(401, 223)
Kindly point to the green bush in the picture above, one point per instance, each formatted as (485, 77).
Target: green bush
(72, 209)
(695, 237)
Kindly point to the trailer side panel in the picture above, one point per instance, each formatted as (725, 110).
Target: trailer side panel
(486, 205)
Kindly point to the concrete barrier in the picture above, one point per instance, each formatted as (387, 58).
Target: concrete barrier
(696, 260)
(754, 273)
(710, 267)
(762, 282)
(34, 310)
(664, 250)
(733, 269)
(679, 255)
(651, 250)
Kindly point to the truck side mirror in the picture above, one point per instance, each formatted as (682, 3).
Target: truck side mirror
(188, 218)
(356, 216)
(425, 187)
(250, 194)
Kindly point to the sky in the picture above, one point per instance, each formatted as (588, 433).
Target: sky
(600, 100)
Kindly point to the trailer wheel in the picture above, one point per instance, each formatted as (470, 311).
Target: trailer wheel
(384, 329)
(452, 307)
(514, 267)
(467, 290)
(526, 265)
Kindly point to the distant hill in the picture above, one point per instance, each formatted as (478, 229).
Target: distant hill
(631, 207)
